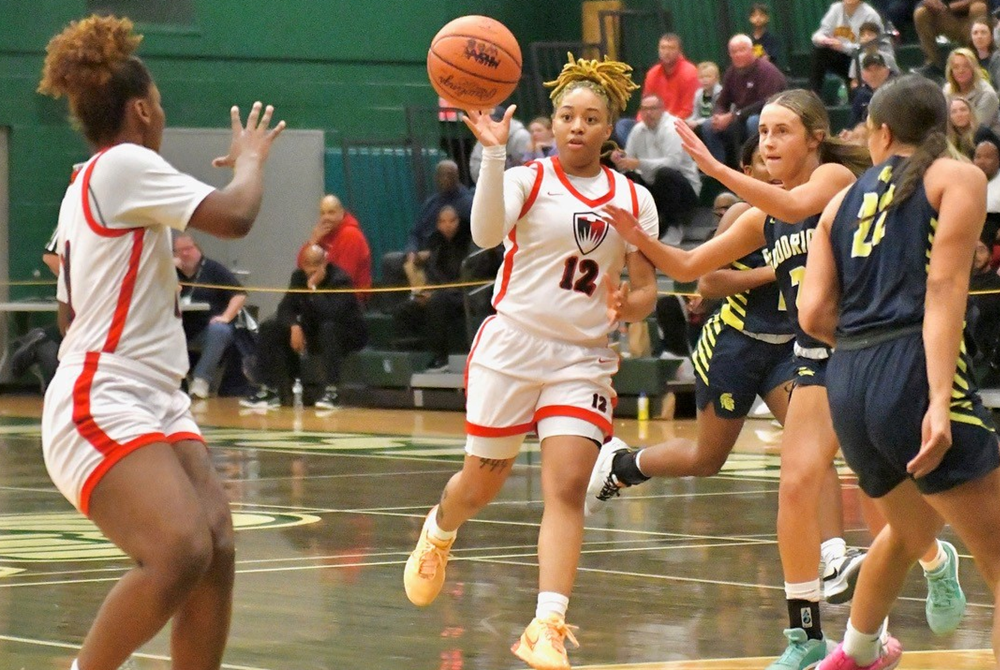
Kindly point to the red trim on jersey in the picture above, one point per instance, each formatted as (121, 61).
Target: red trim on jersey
(87, 426)
(110, 460)
(508, 431)
(534, 189)
(472, 350)
(635, 197)
(575, 412)
(125, 295)
(508, 267)
(174, 438)
(94, 224)
(607, 197)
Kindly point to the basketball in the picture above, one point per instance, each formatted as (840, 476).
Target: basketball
(474, 62)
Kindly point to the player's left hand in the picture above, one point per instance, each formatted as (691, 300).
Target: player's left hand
(617, 298)
(935, 442)
(695, 148)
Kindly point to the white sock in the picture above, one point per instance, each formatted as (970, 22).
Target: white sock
(864, 648)
(550, 602)
(638, 465)
(937, 562)
(74, 666)
(811, 591)
(435, 532)
(830, 551)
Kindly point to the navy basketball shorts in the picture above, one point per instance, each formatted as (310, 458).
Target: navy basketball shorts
(809, 371)
(878, 398)
(732, 369)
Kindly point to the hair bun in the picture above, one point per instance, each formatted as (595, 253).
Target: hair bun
(86, 53)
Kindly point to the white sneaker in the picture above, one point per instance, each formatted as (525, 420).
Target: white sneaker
(604, 485)
(199, 388)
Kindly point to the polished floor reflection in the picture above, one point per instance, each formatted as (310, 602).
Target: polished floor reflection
(680, 574)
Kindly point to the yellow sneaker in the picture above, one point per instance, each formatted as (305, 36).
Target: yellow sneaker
(423, 576)
(541, 644)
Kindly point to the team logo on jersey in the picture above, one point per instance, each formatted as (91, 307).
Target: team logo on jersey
(589, 230)
(727, 402)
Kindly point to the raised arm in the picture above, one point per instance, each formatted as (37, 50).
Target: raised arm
(745, 235)
(819, 292)
(792, 205)
(230, 212)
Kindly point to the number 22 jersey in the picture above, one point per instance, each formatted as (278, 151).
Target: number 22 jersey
(559, 248)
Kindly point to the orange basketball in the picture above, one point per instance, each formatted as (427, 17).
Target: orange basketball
(474, 62)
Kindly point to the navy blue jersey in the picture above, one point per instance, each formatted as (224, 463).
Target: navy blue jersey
(881, 253)
(786, 250)
(758, 309)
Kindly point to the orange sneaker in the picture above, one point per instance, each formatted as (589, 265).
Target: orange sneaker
(423, 576)
(541, 645)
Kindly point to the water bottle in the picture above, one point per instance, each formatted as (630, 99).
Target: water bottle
(842, 94)
(297, 394)
(642, 407)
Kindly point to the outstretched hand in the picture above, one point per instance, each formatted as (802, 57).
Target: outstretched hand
(617, 297)
(626, 224)
(253, 140)
(695, 148)
(490, 133)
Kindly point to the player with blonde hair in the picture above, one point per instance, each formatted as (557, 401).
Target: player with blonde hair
(543, 362)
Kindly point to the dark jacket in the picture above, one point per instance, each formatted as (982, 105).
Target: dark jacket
(312, 308)
(445, 262)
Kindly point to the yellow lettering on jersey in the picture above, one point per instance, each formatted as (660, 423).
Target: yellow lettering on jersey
(872, 212)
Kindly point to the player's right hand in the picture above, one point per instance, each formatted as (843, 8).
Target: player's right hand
(935, 441)
(490, 133)
(253, 140)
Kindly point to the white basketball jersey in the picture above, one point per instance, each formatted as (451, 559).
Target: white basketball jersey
(117, 272)
(560, 249)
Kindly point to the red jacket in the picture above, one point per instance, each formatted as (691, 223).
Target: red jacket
(347, 248)
(676, 89)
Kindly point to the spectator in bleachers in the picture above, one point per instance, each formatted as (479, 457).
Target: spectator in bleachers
(983, 315)
(986, 50)
(705, 97)
(439, 315)
(962, 126)
(518, 142)
(746, 86)
(766, 44)
(873, 41)
(543, 142)
(838, 38)
(874, 73)
(450, 192)
(964, 77)
(674, 79)
(326, 324)
(654, 157)
(953, 20)
(340, 235)
(987, 159)
(898, 14)
(208, 333)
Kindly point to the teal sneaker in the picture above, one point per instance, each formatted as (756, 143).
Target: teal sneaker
(801, 653)
(945, 599)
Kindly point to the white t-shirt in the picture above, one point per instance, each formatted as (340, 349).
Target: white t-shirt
(117, 272)
(993, 194)
(557, 247)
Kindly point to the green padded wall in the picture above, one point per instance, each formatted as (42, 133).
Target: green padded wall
(348, 68)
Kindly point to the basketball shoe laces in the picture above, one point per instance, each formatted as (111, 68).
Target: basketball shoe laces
(430, 561)
(555, 631)
(611, 489)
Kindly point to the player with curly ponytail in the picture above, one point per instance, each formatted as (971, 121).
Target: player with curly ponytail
(118, 436)
(543, 362)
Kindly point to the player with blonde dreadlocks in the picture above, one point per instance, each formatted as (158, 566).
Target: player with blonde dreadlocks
(543, 362)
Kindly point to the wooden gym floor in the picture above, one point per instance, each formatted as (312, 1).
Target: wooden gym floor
(680, 574)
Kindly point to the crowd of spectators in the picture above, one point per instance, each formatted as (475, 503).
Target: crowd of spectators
(855, 42)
